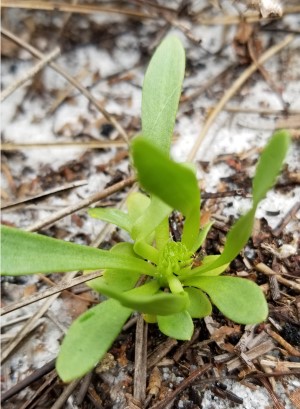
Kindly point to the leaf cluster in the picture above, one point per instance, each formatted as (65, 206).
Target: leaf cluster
(174, 292)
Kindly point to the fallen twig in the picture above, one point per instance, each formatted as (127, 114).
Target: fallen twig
(68, 77)
(65, 394)
(182, 386)
(51, 291)
(42, 196)
(140, 362)
(233, 89)
(29, 74)
(73, 8)
(263, 268)
(82, 204)
(6, 147)
(160, 352)
(34, 376)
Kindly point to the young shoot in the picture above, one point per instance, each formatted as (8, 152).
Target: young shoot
(175, 291)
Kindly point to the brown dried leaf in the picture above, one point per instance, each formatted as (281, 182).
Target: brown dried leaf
(295, 398)
(222, 332)
(154, 382)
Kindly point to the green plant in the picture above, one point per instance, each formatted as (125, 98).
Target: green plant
(174, 291)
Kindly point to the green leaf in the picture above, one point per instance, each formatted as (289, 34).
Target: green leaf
(143, 230)
(161, 92)
(179, 326)
(268, 167)
(147, 298)
(270, 164)
(114, 216)
(200, 305)
(238, 299)
(204, 269)
(137, 204)
(120, 280)
(201, 237)
(172, 182)
(29, 253)
(235, 241)
(89, 338)
(152, 217)
(162, 234)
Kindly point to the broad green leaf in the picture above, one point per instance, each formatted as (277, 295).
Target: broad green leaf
(147, 298)
(162, 234)
(143, 230)
(110, 215)
(152, 217)
(137, 204)
(120, 280)
(29, 253)
(161, 92)
(124, 248)
(200, 305)
(179, 326)
(238, 299)
(89, 338)
(172, 182)
(270, 164)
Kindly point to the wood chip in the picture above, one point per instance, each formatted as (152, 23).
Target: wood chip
(160, 352)
(288, 347)
(251, 354)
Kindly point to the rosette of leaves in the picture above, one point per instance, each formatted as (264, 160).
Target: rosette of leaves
(174, 291)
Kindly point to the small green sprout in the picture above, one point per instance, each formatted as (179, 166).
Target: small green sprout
(175, 292)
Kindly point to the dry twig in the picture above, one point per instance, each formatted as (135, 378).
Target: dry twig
(64, 285)
(58, 145)
(74, 8)
(263, 268)
(68, 77)
(42, 196)
(82, 204)
(34, 376)
(140, 364)
(29, 74)
(182, 386)
(233, 89)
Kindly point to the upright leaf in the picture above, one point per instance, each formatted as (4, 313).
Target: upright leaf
(161, 92)
(172, 182)
(152, 217)
(270, 164)
(111, 215)
(136, 203)
(267, 170)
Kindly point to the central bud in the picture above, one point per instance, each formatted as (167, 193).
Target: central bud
(172, 258)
